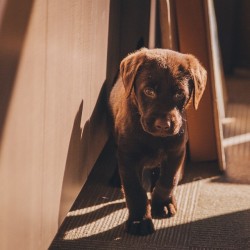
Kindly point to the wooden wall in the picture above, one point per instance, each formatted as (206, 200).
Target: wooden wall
(53, 58)
(193, 35)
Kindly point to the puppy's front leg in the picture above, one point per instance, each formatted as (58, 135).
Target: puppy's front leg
(163, 199)
(139, 221)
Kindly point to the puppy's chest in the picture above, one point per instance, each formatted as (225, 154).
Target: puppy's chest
(154, 158)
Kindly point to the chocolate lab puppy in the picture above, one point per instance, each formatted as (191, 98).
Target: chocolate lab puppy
(148, 104)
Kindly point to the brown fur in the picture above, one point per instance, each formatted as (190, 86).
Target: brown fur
(148, 104)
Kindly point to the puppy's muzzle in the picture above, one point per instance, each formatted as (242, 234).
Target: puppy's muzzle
(167, 127)
(162, 125)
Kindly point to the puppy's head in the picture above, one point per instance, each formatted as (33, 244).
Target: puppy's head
(161, 83)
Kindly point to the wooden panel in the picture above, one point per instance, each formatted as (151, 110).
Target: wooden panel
(219, 95)
(50, 140)
(167, 23)
(76, 69)
(21, 155)
(193, 39)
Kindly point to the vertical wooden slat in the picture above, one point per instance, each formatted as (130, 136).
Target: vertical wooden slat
(193, 39)
(21, 152)
(47, 147)
(76, 70)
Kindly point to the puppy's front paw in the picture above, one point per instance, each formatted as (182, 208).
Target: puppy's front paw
(140, 227)
(164, 209)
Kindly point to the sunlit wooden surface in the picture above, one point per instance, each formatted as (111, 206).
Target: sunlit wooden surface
(53, 57)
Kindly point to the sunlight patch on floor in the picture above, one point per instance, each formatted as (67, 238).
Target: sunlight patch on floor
(198, 201)
(97, 227)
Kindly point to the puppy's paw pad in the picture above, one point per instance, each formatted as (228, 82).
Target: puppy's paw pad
(141, 227)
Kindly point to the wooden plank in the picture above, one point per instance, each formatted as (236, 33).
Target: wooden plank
(47, 149)
(193, 39)
(217, 80)
(21, 152)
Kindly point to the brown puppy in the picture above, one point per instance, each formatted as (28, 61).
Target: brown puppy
(148, 103)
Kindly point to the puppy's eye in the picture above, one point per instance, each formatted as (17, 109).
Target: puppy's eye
(150, 92)
(179, 96)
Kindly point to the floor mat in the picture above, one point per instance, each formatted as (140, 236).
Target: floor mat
(212, 214)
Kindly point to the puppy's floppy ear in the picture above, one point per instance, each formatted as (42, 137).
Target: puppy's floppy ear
(199, 77)
(129, 68)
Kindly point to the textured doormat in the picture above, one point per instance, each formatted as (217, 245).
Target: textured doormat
(212, 214)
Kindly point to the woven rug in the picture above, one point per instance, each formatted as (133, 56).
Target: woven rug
(213, 213)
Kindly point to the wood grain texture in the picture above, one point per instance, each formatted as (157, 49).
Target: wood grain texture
(193, 39)
(46, 144)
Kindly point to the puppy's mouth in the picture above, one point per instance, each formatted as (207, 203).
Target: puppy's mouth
(150, 128)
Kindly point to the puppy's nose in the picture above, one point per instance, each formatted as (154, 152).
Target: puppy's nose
(162, 125)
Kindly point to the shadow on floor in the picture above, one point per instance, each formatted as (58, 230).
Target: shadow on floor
(229, 231)
(204, 218)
